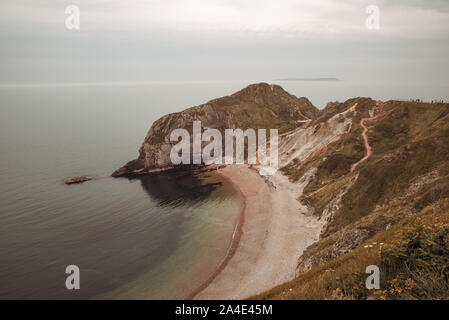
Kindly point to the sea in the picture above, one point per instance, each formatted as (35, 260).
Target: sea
(152, 237)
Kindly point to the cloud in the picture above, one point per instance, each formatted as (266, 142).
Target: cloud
(141, 40)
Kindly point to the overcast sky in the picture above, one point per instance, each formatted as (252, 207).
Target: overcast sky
(137, 40)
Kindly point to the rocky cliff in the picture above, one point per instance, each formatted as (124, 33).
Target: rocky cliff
(258, 106)
(377, 179)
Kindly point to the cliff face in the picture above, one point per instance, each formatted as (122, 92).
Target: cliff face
(258, 106)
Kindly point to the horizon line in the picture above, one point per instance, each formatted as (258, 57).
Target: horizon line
(111, 83)
(146, 82)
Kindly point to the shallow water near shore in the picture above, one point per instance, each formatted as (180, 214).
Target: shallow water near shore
(153, 237)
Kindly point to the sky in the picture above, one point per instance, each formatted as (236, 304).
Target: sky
(185, 40)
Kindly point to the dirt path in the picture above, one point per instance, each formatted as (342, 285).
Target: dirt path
(369, 150)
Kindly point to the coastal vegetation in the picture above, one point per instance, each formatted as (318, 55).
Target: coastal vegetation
(395, 215)
(413, 257)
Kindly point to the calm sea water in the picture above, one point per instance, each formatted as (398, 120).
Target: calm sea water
(152, 237)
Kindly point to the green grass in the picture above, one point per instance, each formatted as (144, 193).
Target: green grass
(413, 261)
(409, 144)
(398, 157)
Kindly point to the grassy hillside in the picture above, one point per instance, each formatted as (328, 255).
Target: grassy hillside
(402, 187)
(412, 255)
(266, 106)
(410, 142)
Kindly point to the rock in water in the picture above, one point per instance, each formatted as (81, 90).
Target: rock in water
(79, 179)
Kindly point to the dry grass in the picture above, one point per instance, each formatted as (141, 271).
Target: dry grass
(413, 256)
(409, 142)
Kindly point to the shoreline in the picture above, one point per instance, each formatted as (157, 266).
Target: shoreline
(273, 231)
(234, 242)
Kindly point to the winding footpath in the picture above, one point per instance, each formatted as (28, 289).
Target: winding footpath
(368, 148)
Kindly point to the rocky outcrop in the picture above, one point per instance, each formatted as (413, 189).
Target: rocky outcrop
(258, 106)
(79, 179)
